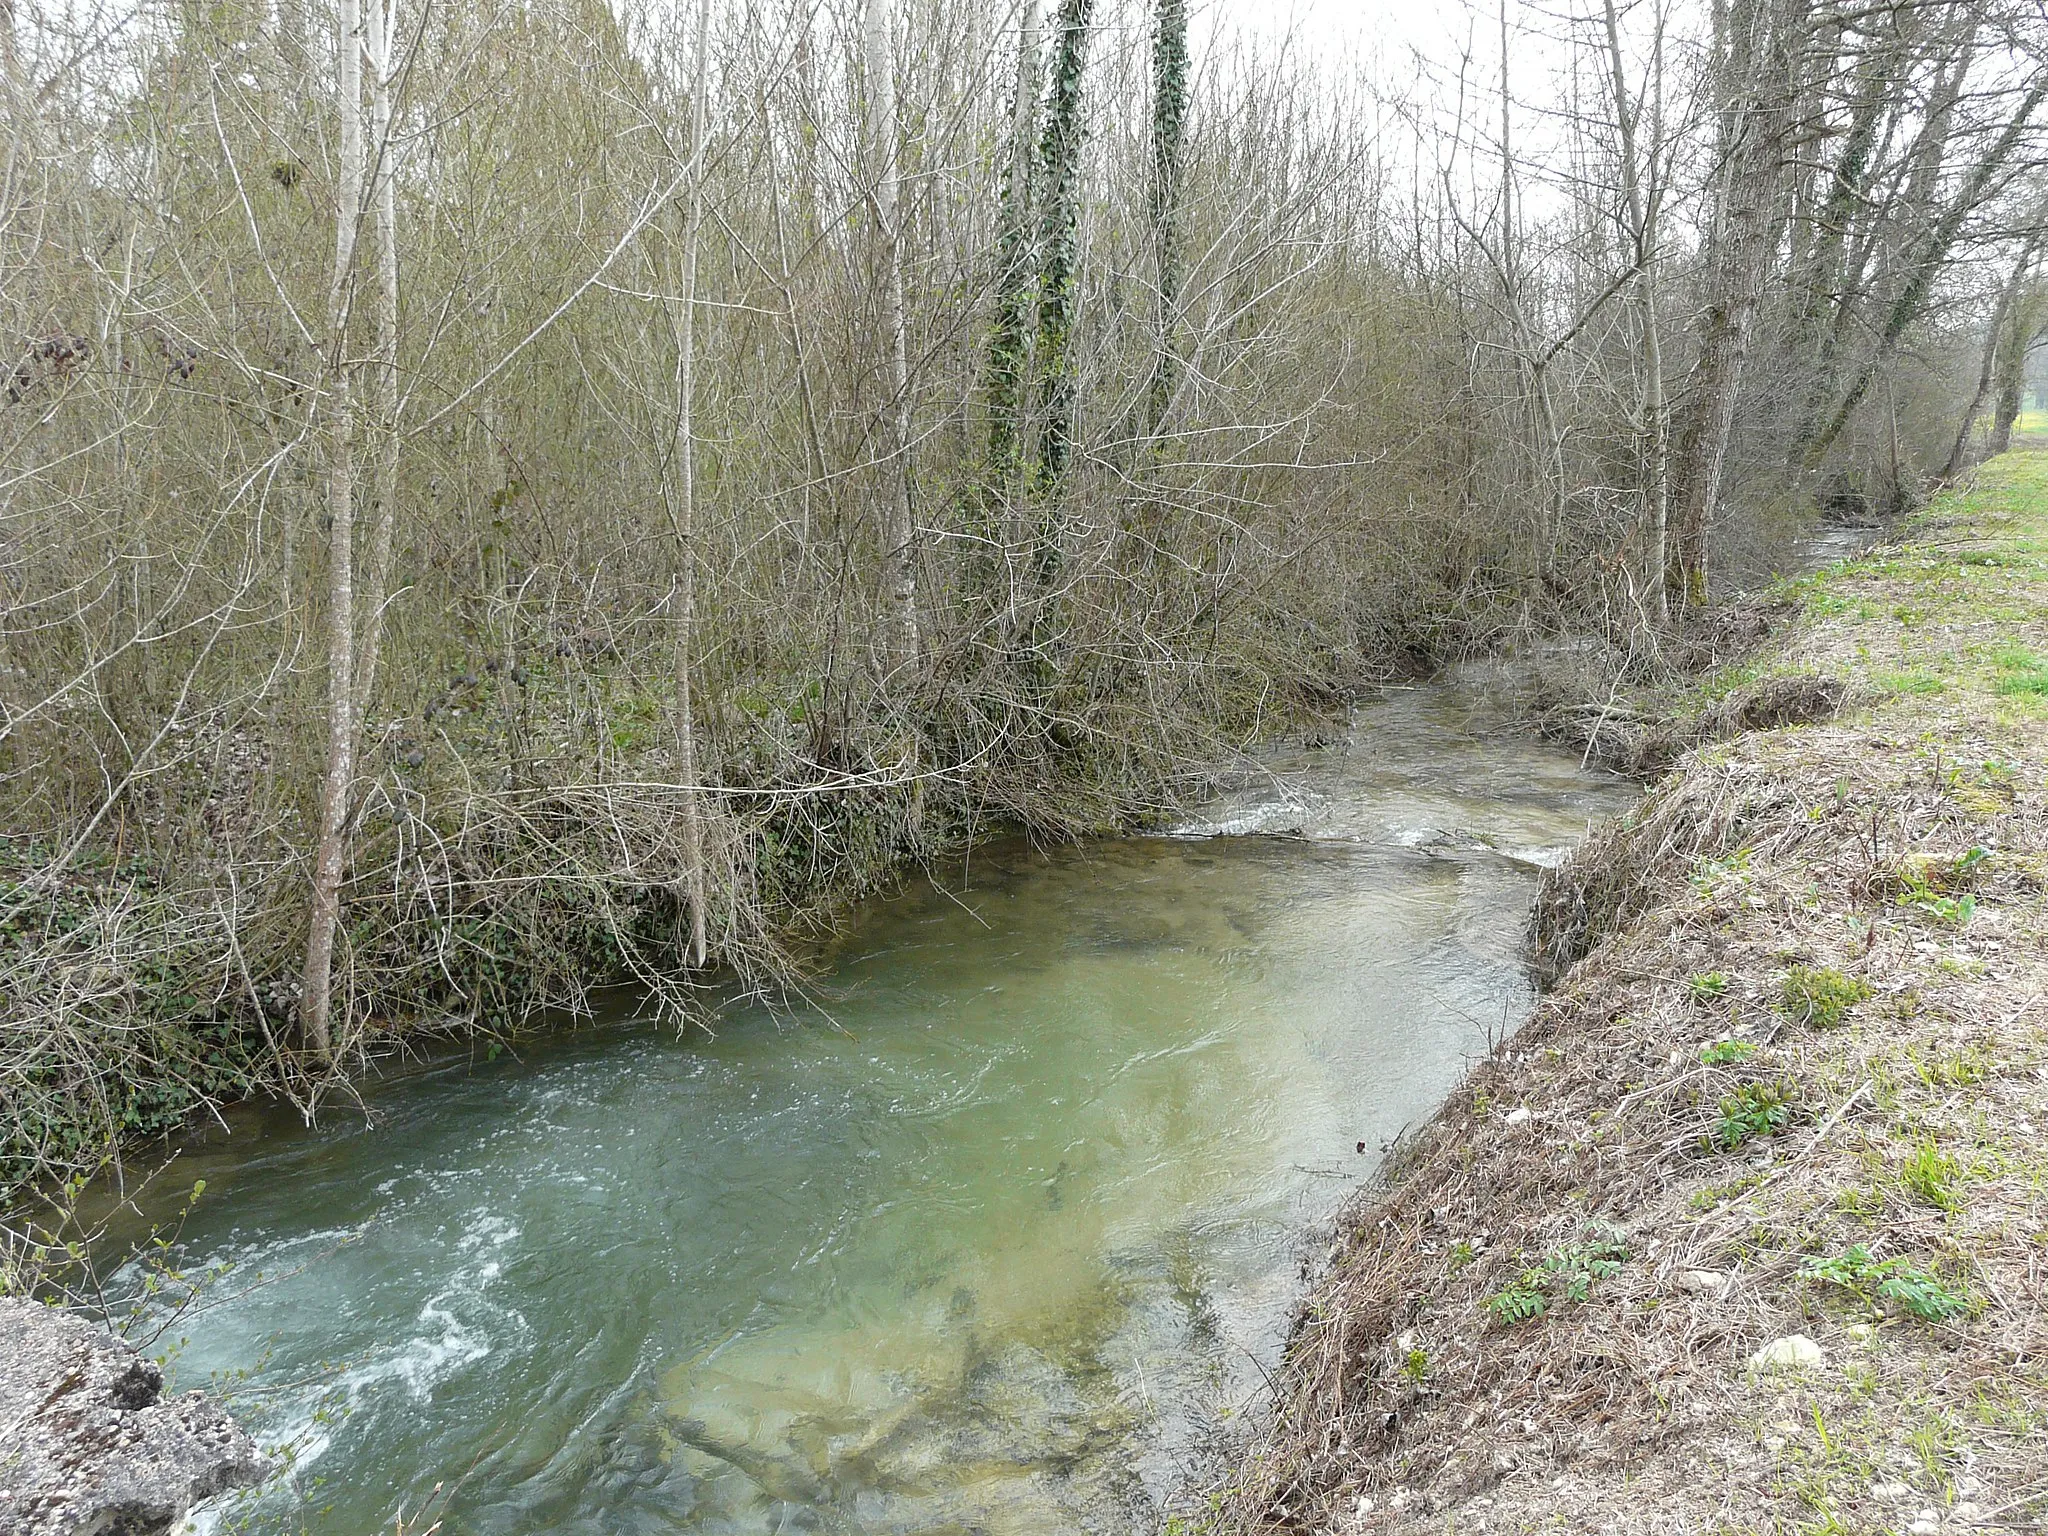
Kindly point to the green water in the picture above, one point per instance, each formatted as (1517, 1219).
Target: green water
(985, 1250)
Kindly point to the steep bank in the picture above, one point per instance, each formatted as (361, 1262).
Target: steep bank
(1744, 1230)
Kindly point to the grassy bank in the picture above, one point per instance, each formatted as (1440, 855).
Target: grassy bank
(1747, 1230)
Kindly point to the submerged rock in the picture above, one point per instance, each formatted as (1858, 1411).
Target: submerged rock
(90, 1446)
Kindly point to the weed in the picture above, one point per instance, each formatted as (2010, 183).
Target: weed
(1724, 1053)
(1565, 1274)
(1930, 1176)
(1894, 1281)
(1863, 1202)
(1959, 1069)
(1707, 985)
(1752, 1110)
(1820, 995)
(2021, 672)
(1909, 683)
(1927, 886)
(1416, 1366)
(1708, 873)
(1462, 1253)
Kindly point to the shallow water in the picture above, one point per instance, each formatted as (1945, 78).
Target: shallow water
(980, 1251)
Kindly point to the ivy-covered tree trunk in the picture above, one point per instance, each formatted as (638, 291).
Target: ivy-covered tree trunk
(1059, 158)
(1169, 126)
(1009, 349)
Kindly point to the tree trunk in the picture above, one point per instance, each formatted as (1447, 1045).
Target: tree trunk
(1058, 284)
(1640, 203)
(898, 638)
(1996, 348)
(384, 375)
(331, 847)
(1169, 125)
(2023, 332)
(1759, 41)
(684, 500)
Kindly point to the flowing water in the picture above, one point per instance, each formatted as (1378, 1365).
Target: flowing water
(983, 1250)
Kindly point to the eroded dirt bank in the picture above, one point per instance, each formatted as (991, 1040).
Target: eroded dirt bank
(1747, 1230)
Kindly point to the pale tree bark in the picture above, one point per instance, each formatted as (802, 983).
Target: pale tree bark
(381, 20)
(1533, 357)
(1640, 203)
(683, 501)
(897, 641)
(331, 845)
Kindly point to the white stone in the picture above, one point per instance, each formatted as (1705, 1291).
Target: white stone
(1519, 1114)
(1924, 1527)
(1700, 1282)
(1794, 1352)
(1890, 1493)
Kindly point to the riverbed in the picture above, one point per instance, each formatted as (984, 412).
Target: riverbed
(987, 1238)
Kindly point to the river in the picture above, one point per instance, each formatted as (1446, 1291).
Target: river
(984, 1242)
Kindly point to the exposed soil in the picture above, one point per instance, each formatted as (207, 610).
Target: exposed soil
(1791, 1084)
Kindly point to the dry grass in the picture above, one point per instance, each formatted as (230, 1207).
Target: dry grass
(1804, 1011)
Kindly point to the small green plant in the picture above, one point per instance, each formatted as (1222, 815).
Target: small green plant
(1462, 1253)
(1416, 1366)
(1707, 985)
(1960, 1069)
(1565, 1274)
(1708, 873)
(1723, 1053)
(1930, 1176)
(2020, 672)
(1820, 995)
(1936, 888)
(1752, 1110)
(1890, 1281)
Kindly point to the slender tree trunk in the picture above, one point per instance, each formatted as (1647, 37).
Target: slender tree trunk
(1058, 290)
(1927, 263)
(331, 846)
(1169, 125)
(898, 638)
(684, 500)
(1995, 347)
(2023, 332)
(1010, 337)
(380, 23)
(1640, 205)
(1760, 39)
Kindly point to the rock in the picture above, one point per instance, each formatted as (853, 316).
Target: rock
(1794, 1352)
(1519, 1115)
(90, 1446)
(1701, 1282)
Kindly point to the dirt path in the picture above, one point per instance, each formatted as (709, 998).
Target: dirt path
(1747, 1231)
